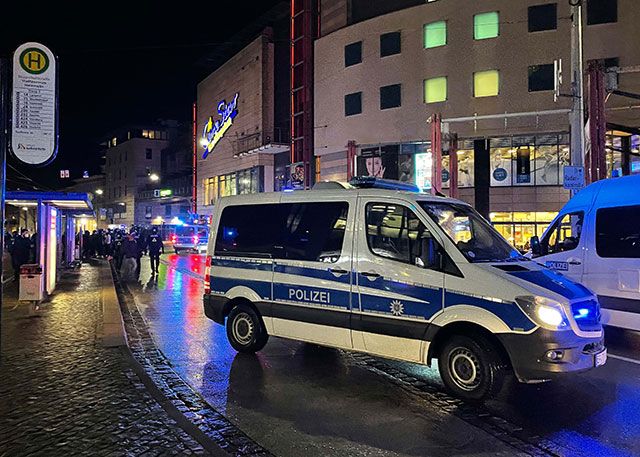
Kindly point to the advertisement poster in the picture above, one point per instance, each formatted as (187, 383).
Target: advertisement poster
(297, 175)
(379, 162)
(523, 163)
(423, 171)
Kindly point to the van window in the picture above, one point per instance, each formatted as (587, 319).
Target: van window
(474, 237)
(395, 232)
(564, 235)
(295, 231)
(618, 232)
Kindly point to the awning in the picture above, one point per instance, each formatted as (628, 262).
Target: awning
(72, 202)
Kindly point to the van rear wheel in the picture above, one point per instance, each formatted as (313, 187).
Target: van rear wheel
(471, 368)
(245, 330)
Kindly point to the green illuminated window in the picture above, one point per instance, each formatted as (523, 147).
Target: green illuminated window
(435, 90)
(486, 83)
(486, 25)
(435, 34)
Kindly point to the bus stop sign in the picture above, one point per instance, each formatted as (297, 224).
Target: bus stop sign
(34, 129)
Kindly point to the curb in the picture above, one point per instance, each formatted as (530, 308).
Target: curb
(112, 333)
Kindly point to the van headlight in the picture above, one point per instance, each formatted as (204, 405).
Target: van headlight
(547, 313)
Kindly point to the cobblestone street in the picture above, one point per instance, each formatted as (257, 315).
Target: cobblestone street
(62, 393)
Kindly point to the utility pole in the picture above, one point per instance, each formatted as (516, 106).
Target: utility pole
(577, 90)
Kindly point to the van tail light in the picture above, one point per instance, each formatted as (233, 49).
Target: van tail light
(207, 276)
(174, 238)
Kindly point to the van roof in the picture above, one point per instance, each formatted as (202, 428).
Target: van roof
(606, 193)
(273, 197)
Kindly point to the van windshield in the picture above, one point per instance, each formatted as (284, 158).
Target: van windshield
(476, 239)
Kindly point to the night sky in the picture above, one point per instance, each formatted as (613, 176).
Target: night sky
(120, 63)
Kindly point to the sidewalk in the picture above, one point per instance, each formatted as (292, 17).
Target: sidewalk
(63, 393)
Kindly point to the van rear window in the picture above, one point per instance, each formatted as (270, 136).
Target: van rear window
(296, 231)
(618, 232)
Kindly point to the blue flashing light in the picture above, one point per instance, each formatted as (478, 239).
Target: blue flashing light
(582, 312)
(371, 182)
(287, 189)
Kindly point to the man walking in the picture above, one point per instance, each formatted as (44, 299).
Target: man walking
(155, 247)
(130, 253)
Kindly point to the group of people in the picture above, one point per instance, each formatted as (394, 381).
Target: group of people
(125, 248)
(21, 246)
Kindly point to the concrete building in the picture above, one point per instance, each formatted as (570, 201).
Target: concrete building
(382, 68)
(243, 118)
(133, 162)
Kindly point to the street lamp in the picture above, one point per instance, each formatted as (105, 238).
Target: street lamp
(154, 177)
(99, 192)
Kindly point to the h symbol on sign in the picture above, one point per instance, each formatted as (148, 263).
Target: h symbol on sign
(34, 58)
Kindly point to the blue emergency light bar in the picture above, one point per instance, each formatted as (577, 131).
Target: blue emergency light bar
(370, 182)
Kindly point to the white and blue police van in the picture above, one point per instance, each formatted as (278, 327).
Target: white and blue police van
(595, 240)
(397, 274)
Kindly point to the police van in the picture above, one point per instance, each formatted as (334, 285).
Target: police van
(595, 240)
(397, 274)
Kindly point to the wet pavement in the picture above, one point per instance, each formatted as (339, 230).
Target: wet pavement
(63, 393)
(299, 399)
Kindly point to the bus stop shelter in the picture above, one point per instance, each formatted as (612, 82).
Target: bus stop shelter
(57, 214)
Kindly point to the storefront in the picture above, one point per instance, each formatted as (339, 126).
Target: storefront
(518, 227)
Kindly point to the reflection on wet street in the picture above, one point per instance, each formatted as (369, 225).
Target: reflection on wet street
(300, 399)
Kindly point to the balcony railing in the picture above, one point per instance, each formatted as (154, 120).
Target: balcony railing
(271, 142)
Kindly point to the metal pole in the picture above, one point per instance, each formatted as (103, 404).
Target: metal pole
(577, 73)
(4, 140)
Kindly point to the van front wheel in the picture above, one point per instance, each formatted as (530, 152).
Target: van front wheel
(245, 330)
(471, 368)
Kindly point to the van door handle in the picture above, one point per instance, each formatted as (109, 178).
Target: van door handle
(370, 274)
(573, 261)
(338, 271)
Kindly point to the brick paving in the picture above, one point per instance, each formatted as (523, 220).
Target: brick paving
(62, 393)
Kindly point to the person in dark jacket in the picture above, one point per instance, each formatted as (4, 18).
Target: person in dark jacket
(118, 254)
(155, 248)
(21, 252)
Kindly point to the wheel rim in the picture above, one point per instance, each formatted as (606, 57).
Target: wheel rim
(243, 329)
(465, 369)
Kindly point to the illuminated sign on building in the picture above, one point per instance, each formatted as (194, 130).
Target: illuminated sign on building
(166, 192)
(215, 130)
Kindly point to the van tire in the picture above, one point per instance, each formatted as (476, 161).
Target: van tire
(471, 367)
(245, 330)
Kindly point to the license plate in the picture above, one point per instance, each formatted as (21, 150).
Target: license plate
(600, 358)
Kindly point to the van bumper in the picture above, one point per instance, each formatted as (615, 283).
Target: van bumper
(214, 307)
(528, 354)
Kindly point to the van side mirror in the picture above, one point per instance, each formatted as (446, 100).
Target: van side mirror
(536, 249)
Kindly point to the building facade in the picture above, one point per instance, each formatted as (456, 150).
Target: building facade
(382, 69)
(132, 166)
(242, 122)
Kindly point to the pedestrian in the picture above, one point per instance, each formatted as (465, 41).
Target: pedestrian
(21, 252)
(130, 254)
(155, 247)
(141, 242)
(86, 245)
(118, 253)
(108, 248)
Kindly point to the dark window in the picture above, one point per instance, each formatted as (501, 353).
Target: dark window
(395, 232)
(352, 54)
(167, 210)
(390, 44)
(353, 104)
(390, 96)
(543, 17)
(618, 232)
(564, 235)
(541, 77)
(148, 153)
(602, 11)
(300, 231)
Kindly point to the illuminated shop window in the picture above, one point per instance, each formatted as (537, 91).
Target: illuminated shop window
(486, 83)
(519, 227)
(465, 169)
(435, 34)
(435, 90)
(486, 25)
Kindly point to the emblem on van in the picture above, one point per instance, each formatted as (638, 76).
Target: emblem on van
(397, 308)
